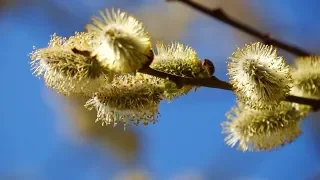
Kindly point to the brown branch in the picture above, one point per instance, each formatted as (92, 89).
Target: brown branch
(219, 14)
(301, 100)
(214, 82)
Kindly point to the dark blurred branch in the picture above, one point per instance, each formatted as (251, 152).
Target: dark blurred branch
(214, 82)
(219, 14)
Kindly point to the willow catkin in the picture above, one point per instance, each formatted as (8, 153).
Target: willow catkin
(124, 45)
(258, 130)
(260, 78)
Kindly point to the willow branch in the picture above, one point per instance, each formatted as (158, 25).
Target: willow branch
(219, 14)
(214, 82)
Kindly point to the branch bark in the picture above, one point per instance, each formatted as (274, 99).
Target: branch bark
(214, 82)
(220, 15)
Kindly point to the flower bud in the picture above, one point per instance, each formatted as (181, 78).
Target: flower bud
(179, 60)
(68, 72)
(260, 78)
(124, 45)
(260, 130)
(208, 66)
(130, 99)
(306, 75)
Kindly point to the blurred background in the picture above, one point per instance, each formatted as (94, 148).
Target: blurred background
(44, 136)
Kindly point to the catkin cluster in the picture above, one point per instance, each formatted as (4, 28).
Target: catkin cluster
(261, 81)
(104, 65)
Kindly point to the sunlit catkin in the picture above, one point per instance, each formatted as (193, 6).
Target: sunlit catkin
(124, 45)
(180, 60)
(306, 75)
(130, 99)
(260, 78)
(255, 130)
(68, 72)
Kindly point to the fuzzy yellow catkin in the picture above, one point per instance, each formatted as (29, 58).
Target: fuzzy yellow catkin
(181, 60)
(124, 45)
(130, 100)
(306, 80)
(306, 75)
(260, 78)
(67, 72)
(262, 130)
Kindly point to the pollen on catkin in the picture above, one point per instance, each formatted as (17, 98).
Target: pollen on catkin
(180, 60)
(306, 75)
(67, 72)
(124, 45)
(260, 78)
(130, 99)
(262, 130)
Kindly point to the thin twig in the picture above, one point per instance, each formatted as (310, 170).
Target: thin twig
(301, 100)
(219, 14)
(214, 82)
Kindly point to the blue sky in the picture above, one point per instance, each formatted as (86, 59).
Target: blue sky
(188, 135)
